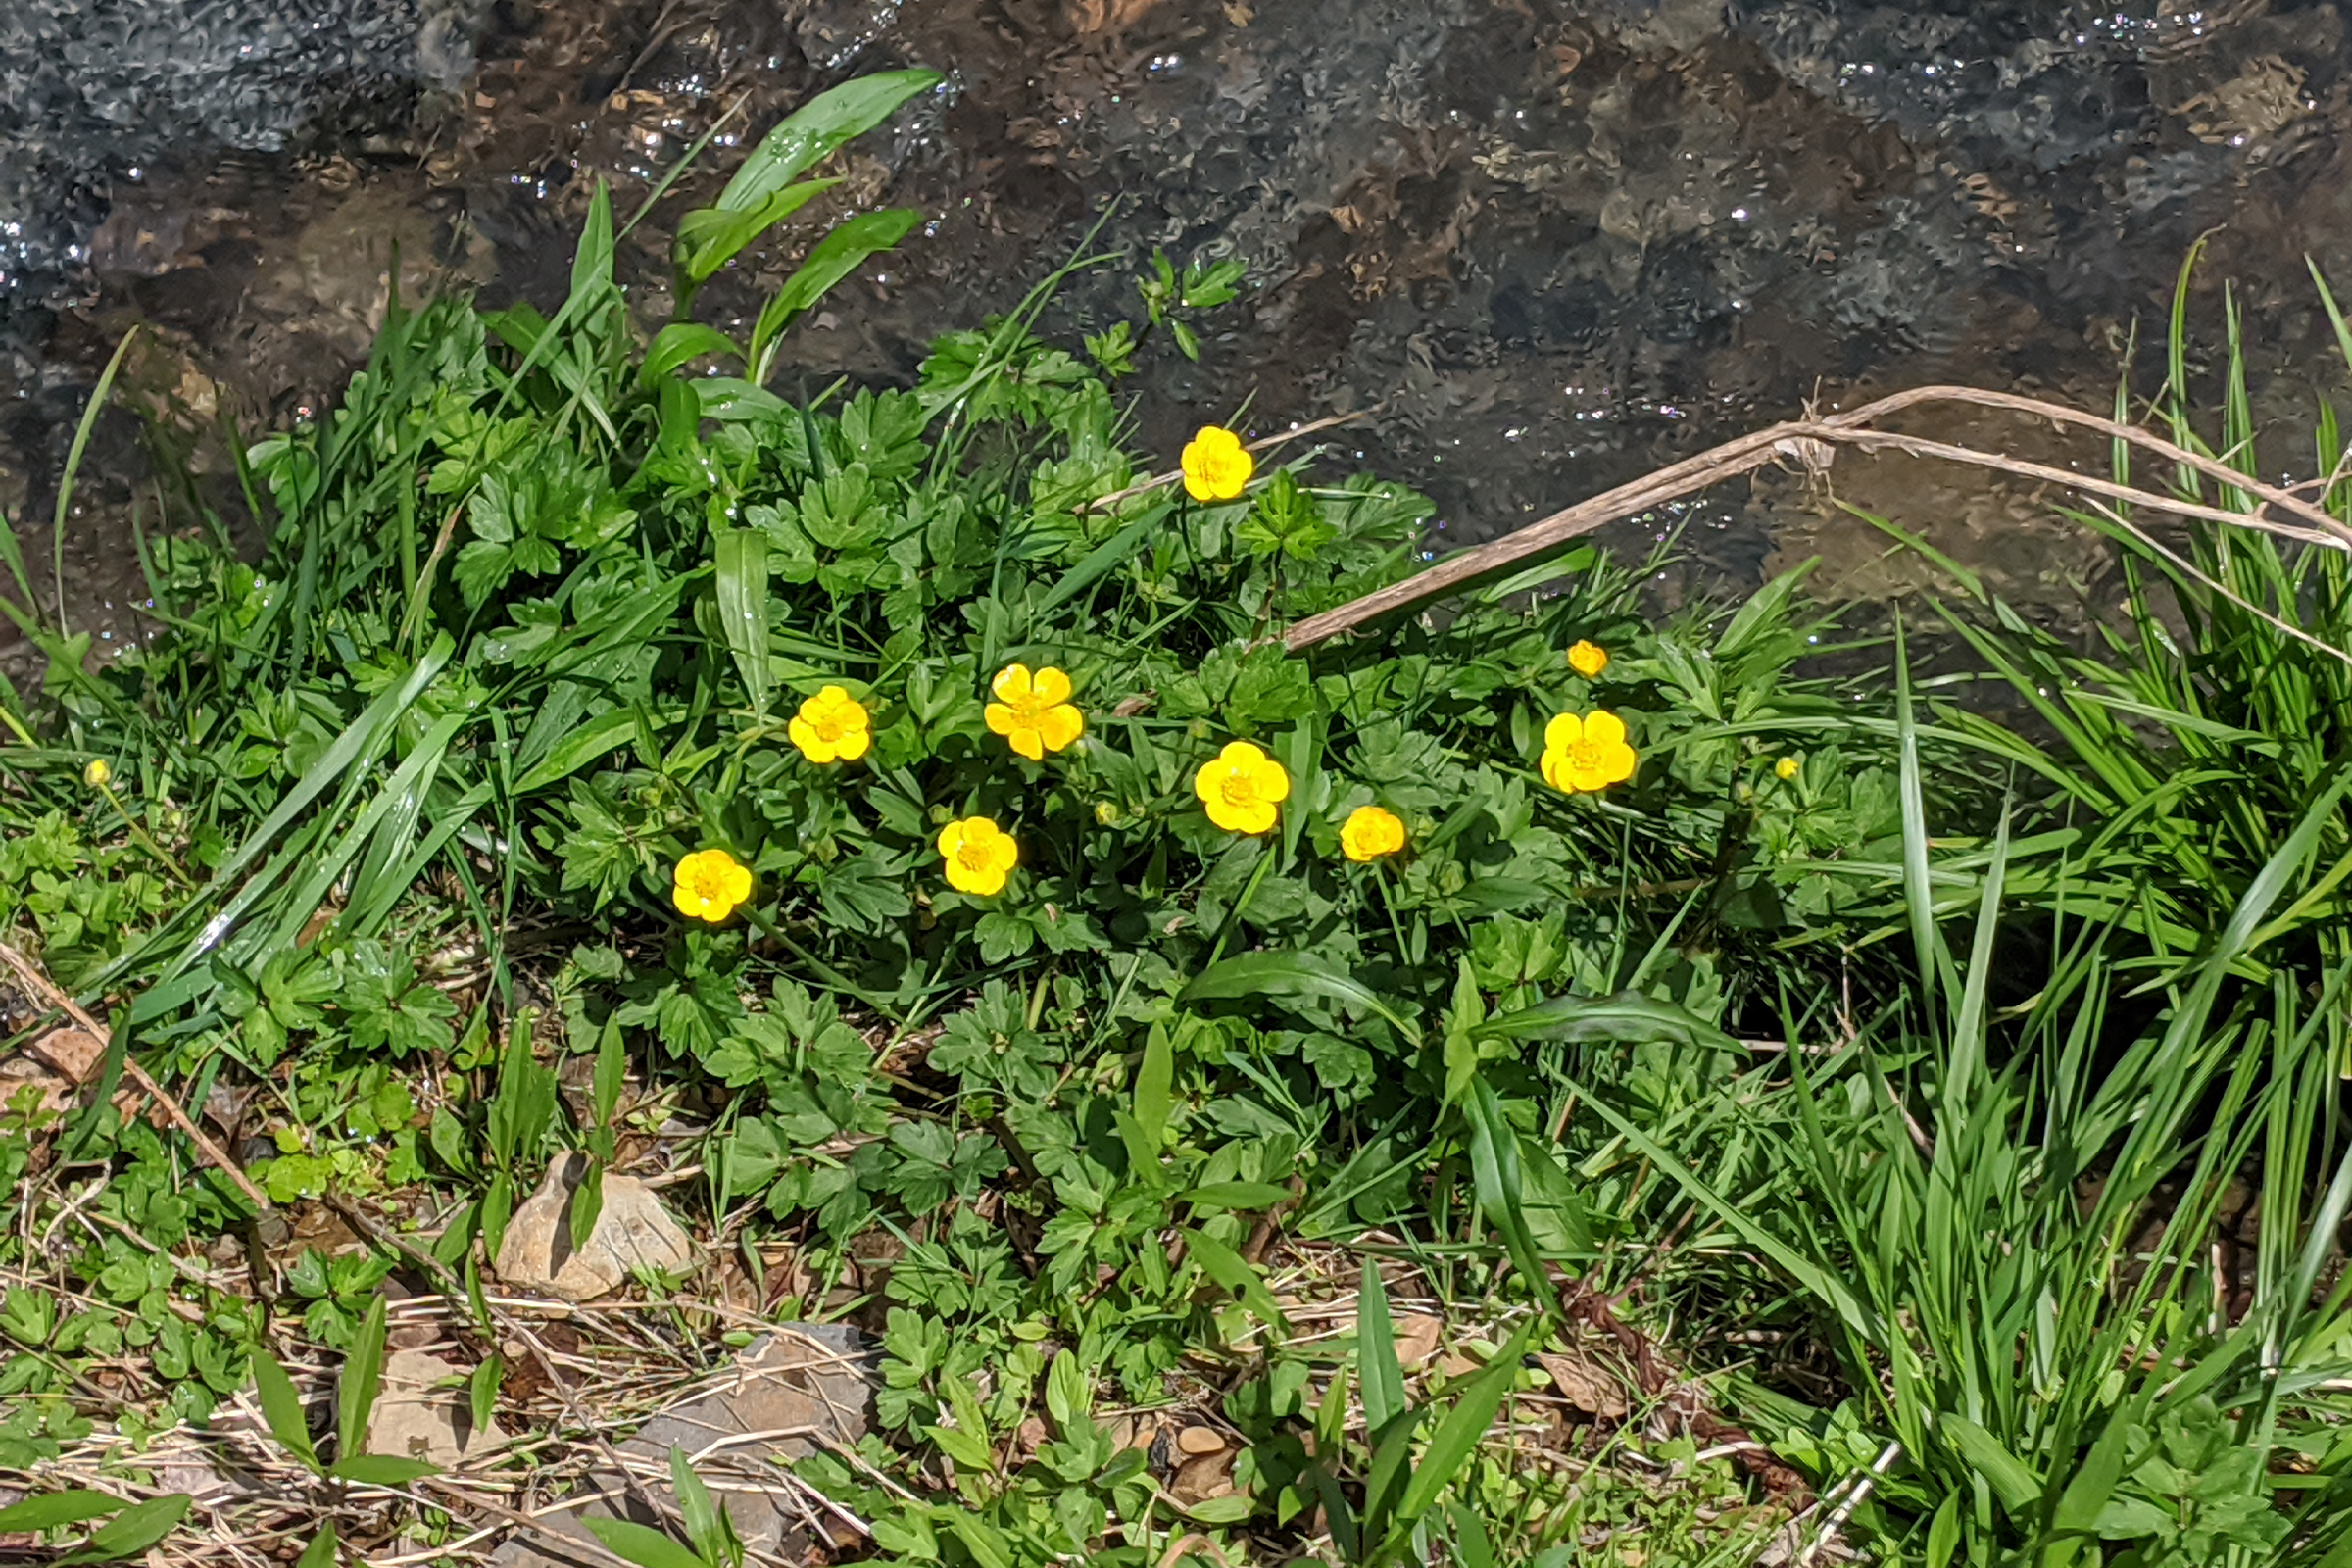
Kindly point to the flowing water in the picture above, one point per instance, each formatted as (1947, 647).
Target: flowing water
(1540, 247)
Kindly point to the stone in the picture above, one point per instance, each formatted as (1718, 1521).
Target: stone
(632, 1231)
(422, 1411)
(783, 1393)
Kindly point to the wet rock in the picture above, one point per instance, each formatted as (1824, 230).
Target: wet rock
(423, 1413)
(632, 1231)
(803, 1387)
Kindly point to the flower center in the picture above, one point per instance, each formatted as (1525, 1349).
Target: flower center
(1029, 710)
(828, 724)
(1239, 789)
(709, 884)
(1585, 756)
(972, 853)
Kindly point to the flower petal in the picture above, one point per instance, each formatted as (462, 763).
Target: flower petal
(1273, 784)
(1617, 762)
(1062, 727)
(1050, 685)
(1557, 771)
(1001, 719)
(950, 839)
(1025, 740)
(1564, 731)
(853, 743)
(1013, 683)
(1604, 728)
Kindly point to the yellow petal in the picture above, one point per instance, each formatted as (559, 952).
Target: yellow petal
(1001, 719)
(1013, 684)
(1604, 728)
(1024, 739)
(813, 746)
(1564, 731)
(1273, 784)
(950, 839)
(1617, 762)
(1062, 727)
(1050, 685)
(1557, 771)
(852, 744)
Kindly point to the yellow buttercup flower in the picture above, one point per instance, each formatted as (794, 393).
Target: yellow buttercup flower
(832, 726)
(980, 855)
(710, 884)
(1242, 787)
(1587, 753)
(1033, 711)
(1216, 466)
(1370, 833)
(1787, 767)
(98, 775)
(1588, 660)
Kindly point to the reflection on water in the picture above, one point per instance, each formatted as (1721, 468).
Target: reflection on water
(1543, 246)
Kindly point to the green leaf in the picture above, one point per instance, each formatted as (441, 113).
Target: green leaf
(1291, 974)
(1230, 1269)
(320, 1553)
(810, 132)
(53, 1509)
(831, 259)
(682, 341)
(1627, 1016)
(362, 1375)
(706, 1525)
(1943, 1533)
(713, 236)
(646, 1548)
(2018, 1487)
(131, 1532)
(2095, 1480)
(1495, 1173)
(380, 1470)
(1237, 1195)
(1379, 1376)
(281, 1407)
(481, 1390)
(1458, 1434)
(982, 1540)
(741, 554)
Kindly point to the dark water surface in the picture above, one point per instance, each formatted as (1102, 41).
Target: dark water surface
(1549, 246)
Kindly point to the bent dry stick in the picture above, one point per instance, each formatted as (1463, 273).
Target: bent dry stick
(1803, 439)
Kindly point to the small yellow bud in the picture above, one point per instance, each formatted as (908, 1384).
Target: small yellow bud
(1785, 767)
(98, 775)
(1106, 813)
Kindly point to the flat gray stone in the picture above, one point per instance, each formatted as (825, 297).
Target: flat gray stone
(779, 1396)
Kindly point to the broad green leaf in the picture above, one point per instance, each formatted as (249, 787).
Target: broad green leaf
(646, 1548)
(711, 238)
(1627, 1016)
(1461, 1430)
(2018, 1487)
(741, 554)
(982, 1540)
(281, 1407)
(705, 1526)
(1943, 1533)
(131, 1532)
(320, 1553)
(481, 1390)
(831, 259)
(1494, 1174)
(682, 341)
(1290, 974)
(1237, 1195)
(2095, 1480)
(810, 132)
(362, 1375)
(53, 1509)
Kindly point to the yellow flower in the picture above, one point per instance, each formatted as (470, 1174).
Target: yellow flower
(1370, 833)
(832, 726)
(1588, 752)
(1033, 712)
(98, 775)
(709, 884)
(1242, 787)
(1588, 660)
(980, 855)
(1787, 767)
(1216, 466)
